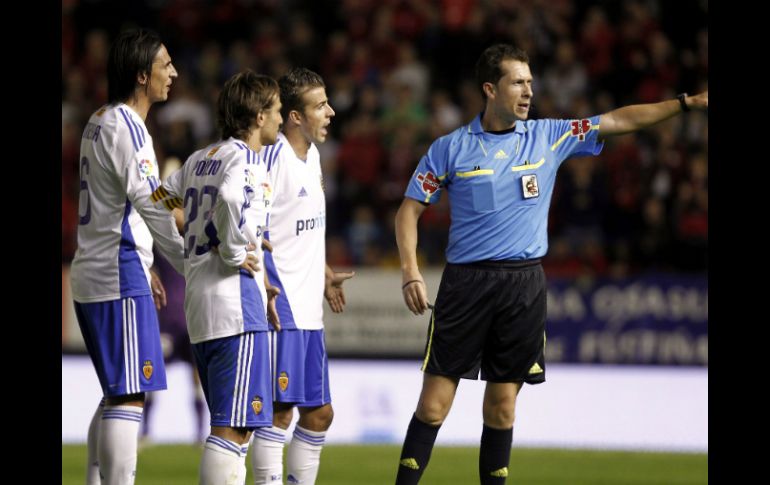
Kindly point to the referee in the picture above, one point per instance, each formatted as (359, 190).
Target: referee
(489, 315)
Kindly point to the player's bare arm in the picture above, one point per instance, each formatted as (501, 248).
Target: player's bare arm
(636, 117)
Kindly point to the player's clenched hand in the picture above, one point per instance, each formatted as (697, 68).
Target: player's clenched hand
(415, 294)
(267, 246)
(158, 291)
(251, 263)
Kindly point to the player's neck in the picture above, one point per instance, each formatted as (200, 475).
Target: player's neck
(253, 140)
(140, 104)
(298, 142)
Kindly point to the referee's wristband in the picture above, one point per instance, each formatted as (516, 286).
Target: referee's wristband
(410, 282)
(682, 102)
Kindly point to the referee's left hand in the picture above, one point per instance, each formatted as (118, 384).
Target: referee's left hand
(415, 293)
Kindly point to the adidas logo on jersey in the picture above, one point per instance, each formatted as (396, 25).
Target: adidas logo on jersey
(302, 193)
(500, 154)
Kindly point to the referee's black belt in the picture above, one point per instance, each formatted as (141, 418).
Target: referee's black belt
(502, 264)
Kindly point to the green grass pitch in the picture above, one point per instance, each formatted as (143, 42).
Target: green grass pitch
(376, 465)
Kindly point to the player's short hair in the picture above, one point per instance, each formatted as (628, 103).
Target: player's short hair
(131, 54)
(242, 97)
(488, 67)
(293, 85)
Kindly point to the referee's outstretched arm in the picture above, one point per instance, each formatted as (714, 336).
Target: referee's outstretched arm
(638, 116)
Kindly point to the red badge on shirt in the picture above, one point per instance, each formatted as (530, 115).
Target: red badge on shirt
(430, 183)
(580, 128)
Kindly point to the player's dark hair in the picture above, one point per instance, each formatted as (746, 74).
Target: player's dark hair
(131, 54)
(242, 97)
(293, 85)
(488, 67)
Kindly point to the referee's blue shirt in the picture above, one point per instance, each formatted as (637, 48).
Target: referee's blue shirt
(500, 185)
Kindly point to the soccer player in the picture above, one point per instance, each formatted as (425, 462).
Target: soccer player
(111, 278)
(489, 314)
(222, 189)
(297, 266)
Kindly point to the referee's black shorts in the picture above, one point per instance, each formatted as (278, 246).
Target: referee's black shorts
(489, 316)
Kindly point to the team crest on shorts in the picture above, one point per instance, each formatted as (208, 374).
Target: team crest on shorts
(283, 381)
(529, 186)
(256, 404)
(147, 369)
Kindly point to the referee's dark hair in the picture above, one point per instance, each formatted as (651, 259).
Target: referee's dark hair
(488, 68)
(131, 54)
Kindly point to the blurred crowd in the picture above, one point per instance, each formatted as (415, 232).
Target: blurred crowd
(399, 74)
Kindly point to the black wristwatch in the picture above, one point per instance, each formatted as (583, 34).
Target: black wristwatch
(682, 102)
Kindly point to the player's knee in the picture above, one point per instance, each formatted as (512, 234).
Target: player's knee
(325, 417)
(237, 435)
(317, 419)
(282, 415)
(127, 400)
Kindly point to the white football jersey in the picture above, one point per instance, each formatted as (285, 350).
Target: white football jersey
(297, 231)
(117, 220)
(221, 188)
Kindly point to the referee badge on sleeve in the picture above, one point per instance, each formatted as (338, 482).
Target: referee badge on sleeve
(529, 186)
(428, 182)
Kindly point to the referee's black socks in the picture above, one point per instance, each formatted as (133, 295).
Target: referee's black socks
(494, 455)
(415, 454)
